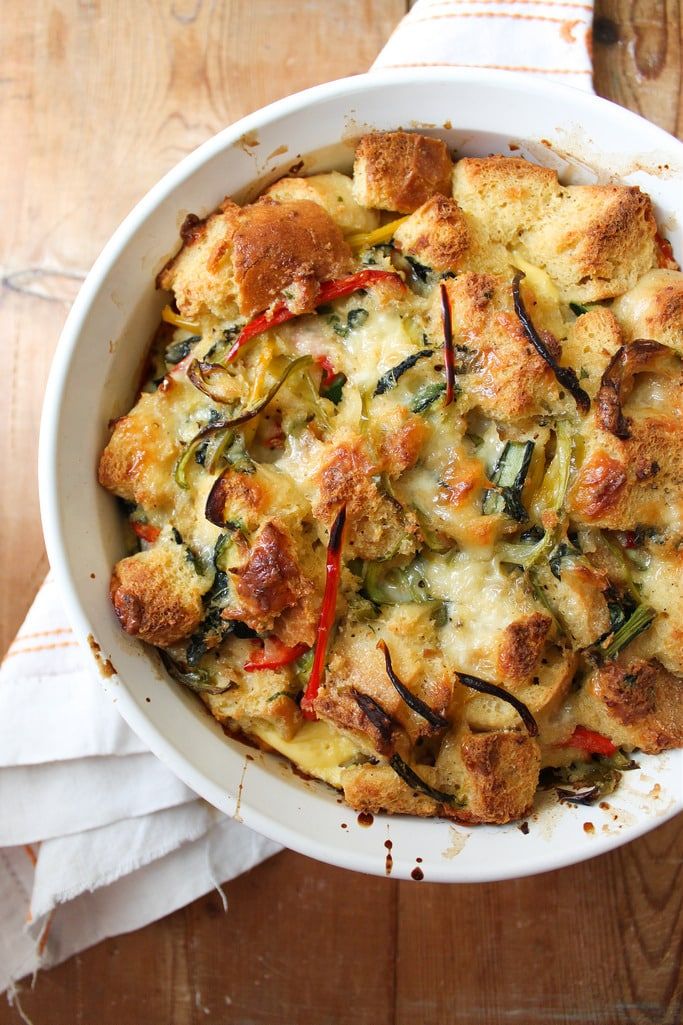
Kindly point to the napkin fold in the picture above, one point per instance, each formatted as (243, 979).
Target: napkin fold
(97, 837)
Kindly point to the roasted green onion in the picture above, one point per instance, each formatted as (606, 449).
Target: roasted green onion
(416, 783)
(448, 354)
(637, 622)
(474, 683)
(395, 585)
(390, 379)
(551, 498)
(509, 476)
(412, 701)
(427, 395)
(565, 376)
(198, 680)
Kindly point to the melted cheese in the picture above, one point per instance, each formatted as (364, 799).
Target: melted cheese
(482, 599)
(318, 749)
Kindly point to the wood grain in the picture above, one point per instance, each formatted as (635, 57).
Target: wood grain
(98, 99)
(638, 55)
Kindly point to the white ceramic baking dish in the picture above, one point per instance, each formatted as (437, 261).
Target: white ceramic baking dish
(93, 379)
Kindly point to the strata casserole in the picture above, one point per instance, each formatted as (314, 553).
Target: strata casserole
(406, 477)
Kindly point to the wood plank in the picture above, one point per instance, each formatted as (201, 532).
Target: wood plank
(596, 944)
(300, 944)
(638, 58)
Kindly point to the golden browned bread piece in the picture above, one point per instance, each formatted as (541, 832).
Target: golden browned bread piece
(654, 308)
(507, 195)
(256, 697)
(157, 594)
(635, 703)
(334, 192)
(399, 437)
(543, 694)
(400, 170)
(377, 788)
(269, 580)
(251, 256)
(521, 647)
(137, 462)
(437, 235)
(247, 498)
(358, 670)
(375, 526)
(496, 773)
(498, 368)
(595, 241)
(624, 483)
(594, 337)
(277, 245)
(200, 275)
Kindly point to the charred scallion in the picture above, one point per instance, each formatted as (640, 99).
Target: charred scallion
(509, 476)
(449, 356)
(474, 683)
(390, 379)
(410, 777)
(565, 376)
(380, 719)
(412, 701)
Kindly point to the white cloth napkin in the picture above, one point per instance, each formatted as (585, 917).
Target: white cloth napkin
(543, 38)
(97, 837)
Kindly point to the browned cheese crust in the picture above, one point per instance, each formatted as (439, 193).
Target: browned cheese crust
(400, 170)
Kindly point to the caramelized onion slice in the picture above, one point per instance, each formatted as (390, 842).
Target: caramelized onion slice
(617, 381)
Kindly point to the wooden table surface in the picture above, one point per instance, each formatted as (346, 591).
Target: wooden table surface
(98, 99)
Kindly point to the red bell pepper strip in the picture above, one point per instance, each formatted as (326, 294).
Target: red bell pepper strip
(449, 356)
(329, 291)
(145, 531)
(273, 655)
(328, 370)
(589, 741)
(665, 252)
(327, 611)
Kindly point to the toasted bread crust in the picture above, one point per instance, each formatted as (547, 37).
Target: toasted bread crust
(437, 235)
(400, 170)
(276, 245)
(157, 595)
(502, 775)
(521, 646)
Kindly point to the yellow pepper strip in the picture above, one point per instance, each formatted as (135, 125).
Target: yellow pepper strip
(170, 317)
(366, 239)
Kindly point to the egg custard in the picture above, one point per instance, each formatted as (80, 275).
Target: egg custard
(406, 480)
